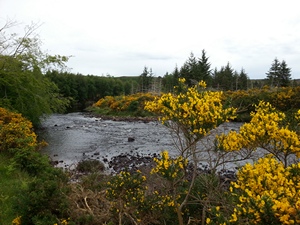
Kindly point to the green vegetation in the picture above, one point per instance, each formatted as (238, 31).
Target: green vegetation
(11, 183)
(173, 190)
(131, 105)
(23, 86)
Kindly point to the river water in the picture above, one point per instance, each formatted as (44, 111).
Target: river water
(78, 136)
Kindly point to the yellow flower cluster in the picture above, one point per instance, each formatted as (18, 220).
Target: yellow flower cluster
(195, 109)
(63, 222)
(163, 201)
(15, 131)
(122, 103)
(264, 130)
(268, 192)
(298, 116)
(127, 193)
(17, 221)
(283, 98)
(169, 168)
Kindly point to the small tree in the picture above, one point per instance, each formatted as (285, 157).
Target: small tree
(195, 70)
(224, 78)
(284, 75)
(243, 80)
(279, 74)
(23, 86)
(190, 115)
(145, 80)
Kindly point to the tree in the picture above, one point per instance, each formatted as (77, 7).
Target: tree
(284, 78)
(279, 74)
(243, 79)
(205, 68)
(23, 86)
(195, 70)
(169, 81)
(224, 78)
(146, 80)
(273, 73)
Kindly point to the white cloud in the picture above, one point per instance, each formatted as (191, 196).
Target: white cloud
(120, 37)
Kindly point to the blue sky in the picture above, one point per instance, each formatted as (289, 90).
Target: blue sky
(120, 37)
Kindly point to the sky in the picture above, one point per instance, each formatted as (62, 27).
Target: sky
(121, 37)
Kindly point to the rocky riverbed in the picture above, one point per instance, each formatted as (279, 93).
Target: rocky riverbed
(78, 136)
(75, 137)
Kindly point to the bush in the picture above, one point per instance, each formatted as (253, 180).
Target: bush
(44, 200)
(110, 105)
(15, 131)
(90, 166)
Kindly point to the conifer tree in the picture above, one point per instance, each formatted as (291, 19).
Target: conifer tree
(284, 78)
(279, 75)
(195, 70)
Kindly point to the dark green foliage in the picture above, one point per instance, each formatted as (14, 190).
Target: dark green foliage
(133, 106)
(243, 80)
(224, 78)
(85, 90)
(90, 166)
(23, 87)
(169, 81)
(279, 74)
(44, 200)
(195, 70)
(145, 80)
(29, 160)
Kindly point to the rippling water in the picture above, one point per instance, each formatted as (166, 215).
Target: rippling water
(76, 136)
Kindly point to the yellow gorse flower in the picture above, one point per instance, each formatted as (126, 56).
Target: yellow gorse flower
(15, 131)
(195, 109)
(169, 168)
(268, 185)
(17, 221)
(265, 128)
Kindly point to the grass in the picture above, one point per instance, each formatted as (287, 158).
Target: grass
(11, 184)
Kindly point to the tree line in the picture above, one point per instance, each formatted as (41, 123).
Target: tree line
(35, 83)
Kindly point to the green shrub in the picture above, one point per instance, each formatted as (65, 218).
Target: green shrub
(44, 201)
(90, 166)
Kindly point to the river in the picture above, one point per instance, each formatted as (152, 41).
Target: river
(78, 136)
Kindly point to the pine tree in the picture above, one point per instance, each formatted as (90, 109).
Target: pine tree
(243, 80)
(194, 70)
(284, 77)
(145, 80)
(279, 74)
(205, 68)
(273, 73)
(224, 79)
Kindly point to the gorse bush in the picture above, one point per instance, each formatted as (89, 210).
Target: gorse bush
(42, 199)
(190, 115)
(131, 103)
(281, 98)
(15, 131)
(267, 130)
(195, 109)
(266, 192)
(126, 192)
